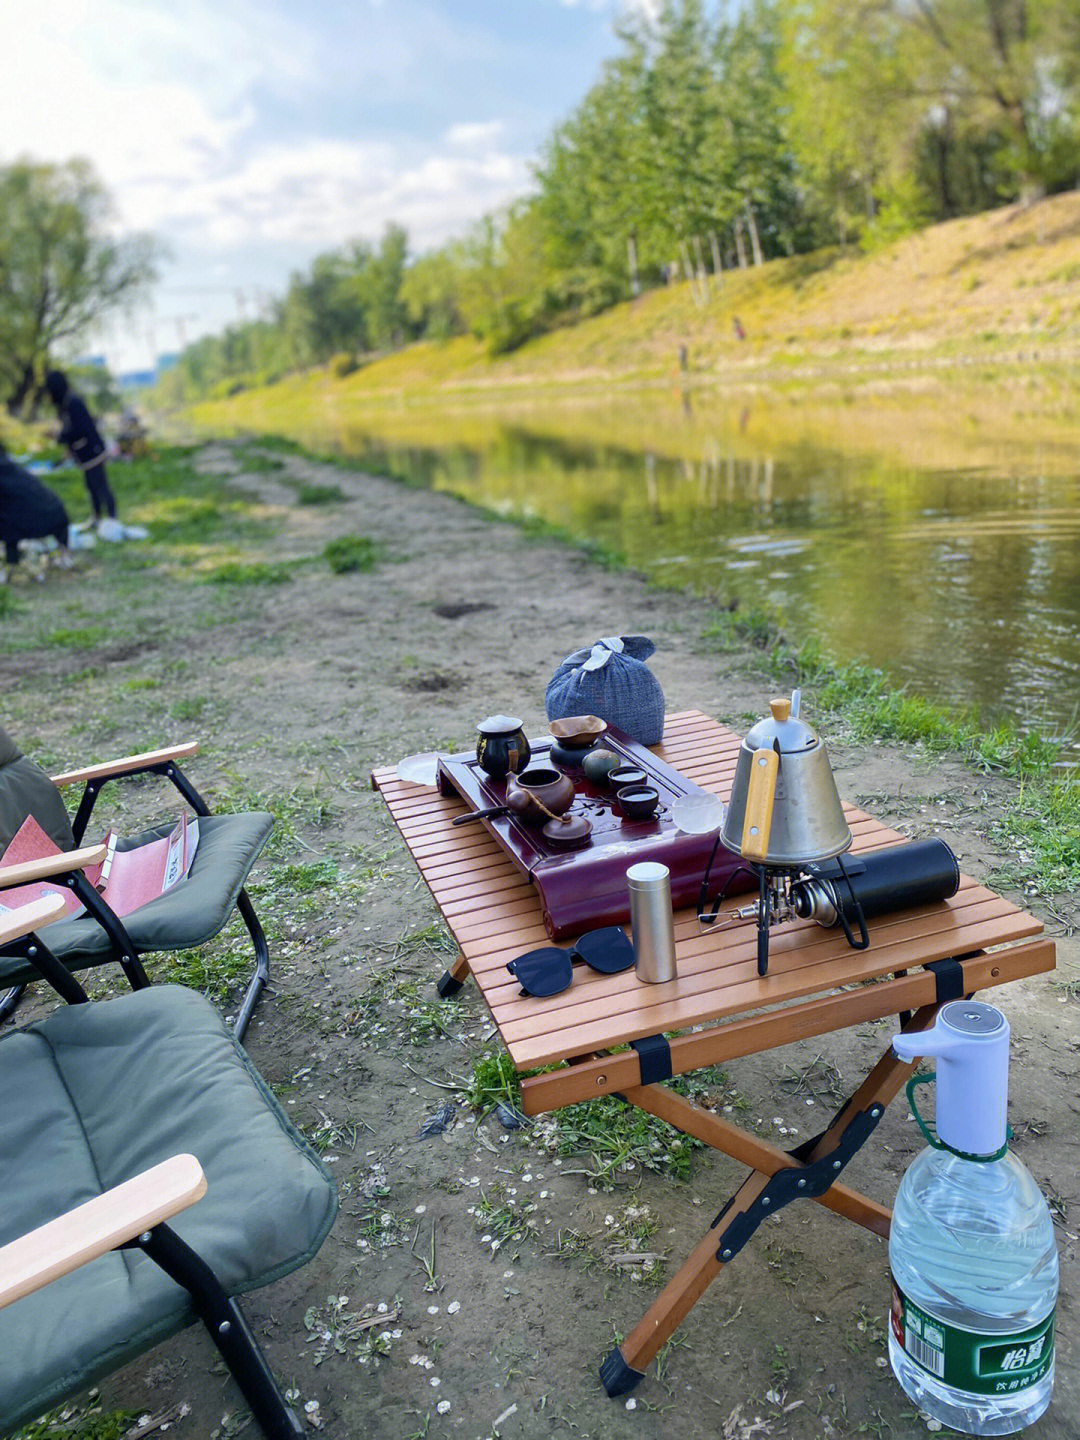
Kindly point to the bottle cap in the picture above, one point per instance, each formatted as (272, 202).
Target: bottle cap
(970, 1042)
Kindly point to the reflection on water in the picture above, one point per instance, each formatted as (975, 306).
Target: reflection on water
(962, 583)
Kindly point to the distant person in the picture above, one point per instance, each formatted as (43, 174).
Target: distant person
(131, 438)
(740, 333)
(29, 510)
(82, 440)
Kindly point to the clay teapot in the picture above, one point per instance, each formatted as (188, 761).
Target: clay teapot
(539, 794)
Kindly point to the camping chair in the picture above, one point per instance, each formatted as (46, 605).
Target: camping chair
(122, 1113)
(185, 917)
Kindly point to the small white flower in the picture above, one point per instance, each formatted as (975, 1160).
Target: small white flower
(631, 1404)
(435, 1382)
(453, 1307)
(419, 1209)
(433, 1309)
(312, 1407)
(381, 1308)
(443, 1407)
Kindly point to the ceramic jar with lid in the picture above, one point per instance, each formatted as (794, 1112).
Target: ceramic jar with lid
(502, 748)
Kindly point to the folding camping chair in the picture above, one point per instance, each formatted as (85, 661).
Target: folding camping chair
(185, 917)
(120, 1115)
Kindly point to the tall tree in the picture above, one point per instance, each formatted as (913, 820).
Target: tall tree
(1008, 63)
(62, 271)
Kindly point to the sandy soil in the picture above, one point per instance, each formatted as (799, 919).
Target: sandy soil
(334, 675)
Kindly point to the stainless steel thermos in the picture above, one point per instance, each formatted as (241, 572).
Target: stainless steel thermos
(652, 923)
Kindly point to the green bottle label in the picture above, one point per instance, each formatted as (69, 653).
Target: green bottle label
(966, 1360)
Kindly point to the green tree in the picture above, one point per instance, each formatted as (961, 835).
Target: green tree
(61, 270)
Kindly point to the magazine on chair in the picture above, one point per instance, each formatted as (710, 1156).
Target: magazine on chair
(125, 879)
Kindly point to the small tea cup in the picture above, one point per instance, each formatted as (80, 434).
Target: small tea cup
(624, 775)
(638, 802)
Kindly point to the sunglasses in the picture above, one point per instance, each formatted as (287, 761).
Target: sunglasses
(549, 971)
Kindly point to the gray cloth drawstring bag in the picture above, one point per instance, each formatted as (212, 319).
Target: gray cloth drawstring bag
(611, 679)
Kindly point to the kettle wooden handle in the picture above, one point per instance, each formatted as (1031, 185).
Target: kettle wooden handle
(760, 795)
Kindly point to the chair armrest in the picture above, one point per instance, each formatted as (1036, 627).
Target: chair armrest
(25, 918)
(90, 1230)
(30, 871)
(129, 765)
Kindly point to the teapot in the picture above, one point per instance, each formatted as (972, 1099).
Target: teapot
(784, 809)
(540, 794)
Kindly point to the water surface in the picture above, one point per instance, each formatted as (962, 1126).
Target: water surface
(960, 577)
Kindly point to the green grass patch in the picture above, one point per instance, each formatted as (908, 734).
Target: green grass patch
(68, 1423)
(8, 604)
(87, 638)
(319, 495)
(1043, 826)
(253, 572)
(303, 879)
(350, 553)
(613, 1136)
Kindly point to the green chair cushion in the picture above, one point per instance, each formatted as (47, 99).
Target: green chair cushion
(25, 789)
(106, 1090)
(188, 915)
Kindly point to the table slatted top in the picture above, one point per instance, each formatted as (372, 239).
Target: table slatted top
(493, 912)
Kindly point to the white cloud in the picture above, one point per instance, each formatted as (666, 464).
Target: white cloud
(484, 133)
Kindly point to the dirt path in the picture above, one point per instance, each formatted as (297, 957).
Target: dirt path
(502, 1266)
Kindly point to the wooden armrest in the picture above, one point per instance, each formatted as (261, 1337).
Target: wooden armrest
(23, 919)
(30, 871)
(129, 765)
(90, 1230)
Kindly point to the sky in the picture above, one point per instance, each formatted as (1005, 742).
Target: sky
(250, 137)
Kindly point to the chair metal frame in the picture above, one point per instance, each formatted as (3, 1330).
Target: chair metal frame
(93, 779)
(219, 1312)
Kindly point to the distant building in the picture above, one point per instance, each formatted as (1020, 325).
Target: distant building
(136, 379)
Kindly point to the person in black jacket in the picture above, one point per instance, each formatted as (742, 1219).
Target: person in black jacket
(82, 439)
(29, 510)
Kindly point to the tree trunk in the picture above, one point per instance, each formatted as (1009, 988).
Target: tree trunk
(717, 260)
(740, 248)
(17, 398)
(755, 239)
(631, 261)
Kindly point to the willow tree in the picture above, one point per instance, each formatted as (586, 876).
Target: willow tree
(62, 270)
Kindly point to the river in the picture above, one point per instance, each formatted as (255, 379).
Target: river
(948, 553)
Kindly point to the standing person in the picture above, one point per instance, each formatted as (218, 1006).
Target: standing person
(82, 439)
(29, 510)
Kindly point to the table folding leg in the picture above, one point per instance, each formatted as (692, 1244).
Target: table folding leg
(778, 1177)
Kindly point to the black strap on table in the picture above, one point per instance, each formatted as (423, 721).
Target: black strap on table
(654, 1053)
(949, 975)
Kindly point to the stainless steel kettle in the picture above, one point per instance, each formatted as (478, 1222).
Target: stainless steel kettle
(784, 808)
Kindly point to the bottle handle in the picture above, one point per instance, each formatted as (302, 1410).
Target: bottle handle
(932, 1137)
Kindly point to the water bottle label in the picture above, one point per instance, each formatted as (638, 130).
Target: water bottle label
(998, 1365)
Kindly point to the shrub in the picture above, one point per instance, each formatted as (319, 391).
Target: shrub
(342, 364)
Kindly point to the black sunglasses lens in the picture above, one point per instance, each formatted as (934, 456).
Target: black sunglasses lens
(607, 950)
(543, 972)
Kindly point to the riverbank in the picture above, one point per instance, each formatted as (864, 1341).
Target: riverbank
(992, 295)
(231, 624)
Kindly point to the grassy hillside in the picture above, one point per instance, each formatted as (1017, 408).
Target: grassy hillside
(988, 306)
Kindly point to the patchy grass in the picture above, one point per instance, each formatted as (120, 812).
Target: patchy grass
(71, 1422)
(614, 1137)
(350, 553)
(258, 572)
(319, 495)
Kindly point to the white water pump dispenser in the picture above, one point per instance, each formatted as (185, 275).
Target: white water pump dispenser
(972, 1251)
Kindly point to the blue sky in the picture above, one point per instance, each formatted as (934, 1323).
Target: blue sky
(250, 135)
